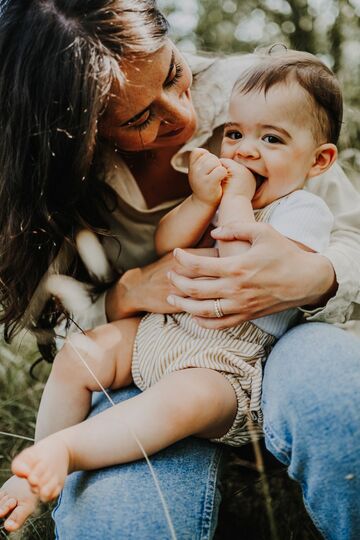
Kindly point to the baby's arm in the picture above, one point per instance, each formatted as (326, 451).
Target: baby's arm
(185, 225)
(235, 207)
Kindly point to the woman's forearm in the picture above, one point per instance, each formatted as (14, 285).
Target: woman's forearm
(326, 288)
(343, 254)
(142, 290)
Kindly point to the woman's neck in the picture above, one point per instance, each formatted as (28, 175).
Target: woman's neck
(155, 176)
(142, 160)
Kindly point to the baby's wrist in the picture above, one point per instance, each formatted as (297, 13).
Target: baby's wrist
(236, 186)
(205, 204)
(238, 192)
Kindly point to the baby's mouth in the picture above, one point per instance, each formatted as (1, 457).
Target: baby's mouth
(259, 179)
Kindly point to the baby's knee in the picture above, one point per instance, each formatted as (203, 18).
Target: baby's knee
(77, 353)
(64, 363)
(208, 397)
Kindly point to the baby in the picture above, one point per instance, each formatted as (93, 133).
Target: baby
(284, 120)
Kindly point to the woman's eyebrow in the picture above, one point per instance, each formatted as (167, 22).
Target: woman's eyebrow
(139, 114)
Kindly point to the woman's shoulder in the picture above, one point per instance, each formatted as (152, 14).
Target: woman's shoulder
(336, 189)
(214, 78)
(215, 66)
(217, 74)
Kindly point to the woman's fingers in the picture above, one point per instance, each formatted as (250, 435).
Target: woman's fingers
(273, 275)
(240, 231)
(203, 308)
(192, 265)
(200, 289)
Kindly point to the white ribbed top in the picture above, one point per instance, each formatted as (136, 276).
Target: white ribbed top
(305, 218)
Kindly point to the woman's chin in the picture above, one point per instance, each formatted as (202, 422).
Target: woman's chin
(176, 137)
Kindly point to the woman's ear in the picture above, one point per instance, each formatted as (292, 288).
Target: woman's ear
(325, 156)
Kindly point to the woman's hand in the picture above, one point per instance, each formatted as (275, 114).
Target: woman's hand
(273, 275)
(144, 289)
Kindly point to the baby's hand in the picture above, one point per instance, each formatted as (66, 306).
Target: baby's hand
(205, 176)
(239, 180)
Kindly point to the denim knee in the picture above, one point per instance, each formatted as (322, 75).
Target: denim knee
(311, 381)
(311, 399)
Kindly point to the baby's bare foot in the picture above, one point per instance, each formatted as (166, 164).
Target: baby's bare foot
(17, 503)
(45, 466)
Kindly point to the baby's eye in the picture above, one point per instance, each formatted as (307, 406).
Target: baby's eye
(272, 139)
(233, 134)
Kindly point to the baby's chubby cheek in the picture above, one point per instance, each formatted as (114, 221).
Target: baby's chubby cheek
(224, 151)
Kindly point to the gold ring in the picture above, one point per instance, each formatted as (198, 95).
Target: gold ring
(217, 308)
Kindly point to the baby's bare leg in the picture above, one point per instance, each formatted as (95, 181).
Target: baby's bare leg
(67, 397)
(190, 402)
(107, 351)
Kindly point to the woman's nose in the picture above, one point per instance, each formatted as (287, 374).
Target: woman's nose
(247, 149)
(173, 109)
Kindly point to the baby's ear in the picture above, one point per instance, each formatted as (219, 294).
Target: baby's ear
(325, 156)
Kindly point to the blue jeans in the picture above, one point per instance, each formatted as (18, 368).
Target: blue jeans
(311, 403)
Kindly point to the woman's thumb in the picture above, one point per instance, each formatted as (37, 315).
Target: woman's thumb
(237, 231)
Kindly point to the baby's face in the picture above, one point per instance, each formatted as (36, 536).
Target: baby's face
(272, 136)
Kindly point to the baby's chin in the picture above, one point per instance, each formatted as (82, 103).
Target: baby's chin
(260, 200)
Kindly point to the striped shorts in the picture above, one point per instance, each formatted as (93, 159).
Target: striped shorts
(167, 343)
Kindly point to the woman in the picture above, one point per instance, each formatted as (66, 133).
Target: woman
(97, 121)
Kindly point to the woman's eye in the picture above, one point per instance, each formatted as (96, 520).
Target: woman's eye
(142, 122)
(272, 139)
(233, 135)
(175, 75)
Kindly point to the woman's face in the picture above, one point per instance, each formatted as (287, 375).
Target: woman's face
(153, 109)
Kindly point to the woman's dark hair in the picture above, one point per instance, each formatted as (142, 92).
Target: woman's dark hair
(58, 61)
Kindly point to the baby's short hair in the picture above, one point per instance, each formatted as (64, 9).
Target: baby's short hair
(280, 65)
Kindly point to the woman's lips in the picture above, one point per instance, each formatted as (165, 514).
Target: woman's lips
(172, 133)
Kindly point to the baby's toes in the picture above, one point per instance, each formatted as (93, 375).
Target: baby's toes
(7, 504)
(17, 517)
